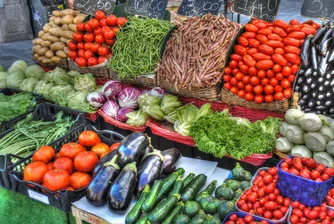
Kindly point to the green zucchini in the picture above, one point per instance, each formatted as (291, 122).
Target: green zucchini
(209, 189)
(224, 208)
(191, 208)
(199, 218)
(205, 201)
(160, 212)
(245, 184)
(212, 207)
(212, 220)
(167, 185)
(181, 219)
(224, 192)
(151, 198)
(179, 171)
(188, 179)
(192, 189)
(135, 212)
(178, 186)
(143, 220)
(174, 213)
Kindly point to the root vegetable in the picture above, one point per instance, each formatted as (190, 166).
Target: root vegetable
(41, 33)
(49, 54)
(36, 48)
(64, 40)
(56, 13)
(315, 141)
(57, 46)
(61, 33)
(46, 43)
(73, 27)
(302, 151)
(79, 18)
(68, 19)
(56, 59)
(292, 116)
(42, 51)
(61, 54)
(53, 39)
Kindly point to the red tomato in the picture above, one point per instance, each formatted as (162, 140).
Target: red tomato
(235, 71)
(269, 89)
(227, 78)
(277, 68)
(112, 20)
(246, 79)
(234, 90)
(294, 219)
(63, 163)
(92, 61)
(240, 85)
(80, 45)
(233, 64)
(227, 85)
(77, 37)
(71, 45)
(103, 51)
(81, 53)
(115, 29)
(88, 54)
(278, 96)
(88, 138)
(87, 46)
(287, 93)
(249, 96)
(287, 71)
(97, 31)
(234, 81)
(44, 154)
(239, 76)
(93, 23)
(88, 28)
(279, 76)
(99, 14)
(99, 39)
(89, 37)
(294, 68)
(50, 165)
(252, 71)
(100, 148)
(264, 81)
(228, 70)
(121, 21)
(249, 88)
(70, 150)
(105, 29)
(241, 93)
(277, 214)
(273, 82)
(110, 42)
(35, 171)
(278, 89)
(261, 74)
(101, 59)
(254, 80)
(285, 83)
(81, 27)
(72, 55)
(270, 205)
(103, 22)
(258, 99)
(56, 179)
(258, 89)
(85, 161)
(94, 47)
(269, 98)
(270, 74)
(79, 180)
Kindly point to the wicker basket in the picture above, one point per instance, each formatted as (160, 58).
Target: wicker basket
(232, 99)
(143, 80)
(62, 64)
(99, 71)
(281, 155)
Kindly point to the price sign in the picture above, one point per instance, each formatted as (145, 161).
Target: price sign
(194, 8)
(318, 9)
(91, 6)
(52, 2)
(261, 9)
(38, 196)
(151, 8)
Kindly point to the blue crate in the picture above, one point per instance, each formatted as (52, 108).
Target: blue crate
(243, 214)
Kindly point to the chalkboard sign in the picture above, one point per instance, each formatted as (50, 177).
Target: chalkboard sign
(318, 9)
(261, 9)
(194, 8)
(52, 2)
(91, 6)
(150, 8)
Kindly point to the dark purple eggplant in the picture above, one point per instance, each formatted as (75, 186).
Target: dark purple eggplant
(171, 156)
(308, 72)
(149, 170)
(105, 159)
(305, 52)
(131, 148)
(314, 94)
(324, 47)
(313, 86)
(315, 73)
(306, 89)
(311, 103)
(97, 190)
(323, 65)
(147, 150)
(331, 55)
(318, 35)
(122, 189)
(314, 59)
(325, 37)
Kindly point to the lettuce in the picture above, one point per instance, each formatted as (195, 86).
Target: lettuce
(34, 71)
(18, 66)
(84, 82)
(28, 84)
(3, 79)
(15, 79)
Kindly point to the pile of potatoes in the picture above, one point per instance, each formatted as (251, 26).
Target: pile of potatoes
(51, 45)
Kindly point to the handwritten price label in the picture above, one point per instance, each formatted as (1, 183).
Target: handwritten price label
(194, 8)
(318, 9)
(150, 8)
(91, 6)
(261, 9)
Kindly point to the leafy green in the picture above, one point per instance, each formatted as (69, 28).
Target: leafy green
(28, 84)
(59, 94)
(34, 71)
(43, 88)
(3, 79)
(147, 100)
(170, 103)
(76, 100)
(136, 118)
(15, 79)
(84, 82)
(220, 134)
(205, 110)
(59, 77)
(18, 66)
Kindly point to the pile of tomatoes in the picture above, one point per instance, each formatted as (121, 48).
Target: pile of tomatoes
(94, 39)
(329, 200)
(318, 214)
(263, 198)
(266, 59)
(234, 219)
(307, 168)
(70, 168)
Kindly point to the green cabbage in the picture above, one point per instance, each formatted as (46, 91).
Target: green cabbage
(43, 88)
(169, 103)
(34, 71)
(48, 77)
(59, 94)
(189, 113)
(60, 77)
(137, 118)
(28, 84)
(154, 111)
(146, 100)
(73, 74)
(76, 100)
(3, 78)
(85, 82)
(182, 128)
(18, 66)
(205, 110)
(15, 79)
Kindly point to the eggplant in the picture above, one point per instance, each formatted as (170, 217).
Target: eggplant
(313, 86)
(122, 189)
(314, 59)
(321, 96)
(328, 76)
(328, 103)
(323, 65)
(324, 38)
(321, 88)
(131, 148)
(324, 47)
(307, 110)
(300, 80)
(302, 102)
(332, 83)
(105, 159)
(149, 170)
(321, 80)
(309, 80)
(171, 156)
(297, 88)
(327, 83)
(308, 72)
(306, 89)
(315, 74)
(318, 35)
(305, 52)
(146, 151)
(305, 97)
(320, 107)
(328, 95)
(311, 103)
(331, 111)
(331, 55)
(97, 190)
(314, 94)
(318, 102)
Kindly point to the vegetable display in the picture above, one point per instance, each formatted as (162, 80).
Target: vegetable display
(303, 214)
(51, 45)
(93, 40)
(195, 54)
(137, 49)
(315, 83)
(329, 200)
(265, 60)
(307, 135)
(221, 134)
(234, 218)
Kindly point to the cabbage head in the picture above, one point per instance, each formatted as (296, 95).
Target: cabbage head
(60, 77)
(34, 71)
(18, 66)
(137, 118)
(85, 82)
(15, 79)
(43, 88)
(3, 79)
(76, 100)
(58, 94)
(47, 77)
(28, 84)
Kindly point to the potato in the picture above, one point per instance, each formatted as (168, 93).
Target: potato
(46, 28)
(36, 55)
(41, 33)
(56, 13)
(57, 21)
(42, 51)
(79, 18)
(73, 27)
(56, 59)
(36, 48)
(37, 41)
(61, 54)
(52, 18)
(41, 58)
(68, 12)
(68, 19)
(64, 40)
(57, 46)
(47, 61)
(49, 54)
(65, 27)
(54, 25)
(53, 39)
(46, 43)
(66, 50)
(45, 36)
(61, 33)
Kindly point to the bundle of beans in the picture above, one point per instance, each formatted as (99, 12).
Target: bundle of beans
(196, 52)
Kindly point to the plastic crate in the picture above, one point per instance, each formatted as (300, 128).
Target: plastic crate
(308, 192)
(44, 111)
(257, 173)
(290, 213)
(243, 214)
(60, 199)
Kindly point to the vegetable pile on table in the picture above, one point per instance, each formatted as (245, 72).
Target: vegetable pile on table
(181, 200)
(307, 135)
(266, 60)
(137, 49)
(28, 134)
(50, 46)
(303, 214)
(94, 39)
(315, 82)
(196, 52)
(221, 134)
(234, 218)
(329, 200)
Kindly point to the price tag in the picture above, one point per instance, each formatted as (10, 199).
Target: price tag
(91, 6)
(318, 9)
(261, 9)
(52, 2)
(194, 8)
(151, 8)
(38, 196)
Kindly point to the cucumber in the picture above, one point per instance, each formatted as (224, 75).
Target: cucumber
(188, 179)
(212, 220)
(135, 212)
(209, 189)
(191, 208)
(142, 220)
(179, 171)
(192, 189)
(174, 213)
(151, 198)
(160, 212)
(167, 185)
(181, 219)
(178, 186)
(199, 218)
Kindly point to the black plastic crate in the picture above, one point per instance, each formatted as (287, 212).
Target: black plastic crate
(60, 199)
(44, 111)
